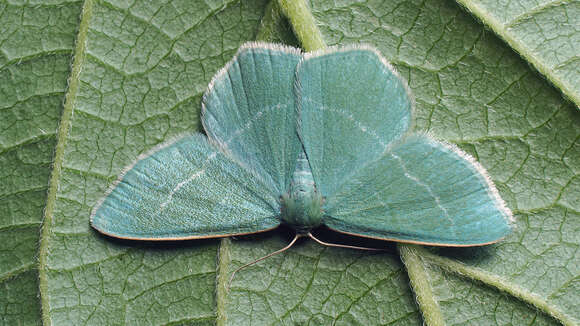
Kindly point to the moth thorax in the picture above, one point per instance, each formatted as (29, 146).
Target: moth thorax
(302, 205)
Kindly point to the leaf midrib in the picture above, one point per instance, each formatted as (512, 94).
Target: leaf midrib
(62, 133)
(497, 282)
(502, 30)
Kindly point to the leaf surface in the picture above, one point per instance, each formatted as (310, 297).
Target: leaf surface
(546, 33)
(316, 285)
(35, 51)
(139, 79)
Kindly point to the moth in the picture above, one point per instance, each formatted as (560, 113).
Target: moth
(306, 139)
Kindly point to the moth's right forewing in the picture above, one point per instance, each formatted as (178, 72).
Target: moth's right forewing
(186, 189)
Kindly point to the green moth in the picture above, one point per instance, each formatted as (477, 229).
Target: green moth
(306, 139)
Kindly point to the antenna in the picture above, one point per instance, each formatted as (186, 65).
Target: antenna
(296, 237)
(341, 245)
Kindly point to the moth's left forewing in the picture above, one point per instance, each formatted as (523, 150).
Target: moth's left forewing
(421, 191)
(485, 179)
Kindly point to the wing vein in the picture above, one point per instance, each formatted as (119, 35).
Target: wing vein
(424, 185)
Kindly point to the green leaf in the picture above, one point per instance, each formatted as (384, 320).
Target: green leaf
(312, 284)
(35, 50)
(545, 33)
(136, 81)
